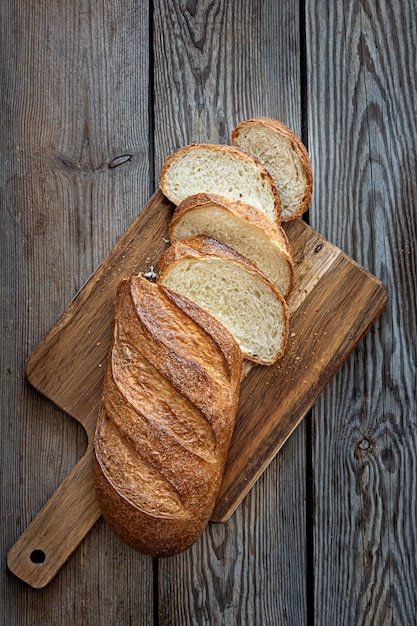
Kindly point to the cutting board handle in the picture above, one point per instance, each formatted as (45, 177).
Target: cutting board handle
(58, 528)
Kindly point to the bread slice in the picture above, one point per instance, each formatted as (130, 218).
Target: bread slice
(241, 227)
(169, 402)
(233, 290)
(224, 170)
(284, 156)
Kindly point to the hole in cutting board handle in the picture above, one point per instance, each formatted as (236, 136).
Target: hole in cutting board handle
(37, 556)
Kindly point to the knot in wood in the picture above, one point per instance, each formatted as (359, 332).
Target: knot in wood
(119, 160)
(364, 444)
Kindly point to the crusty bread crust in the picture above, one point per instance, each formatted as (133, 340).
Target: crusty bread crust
(201, 247)
(169, 403)
(219, 150)
(299, 149)
(242, 210)
(259, 223)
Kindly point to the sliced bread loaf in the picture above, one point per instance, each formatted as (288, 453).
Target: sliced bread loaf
(220, 169)
(284, 156)
(241, 227)
(233, 290)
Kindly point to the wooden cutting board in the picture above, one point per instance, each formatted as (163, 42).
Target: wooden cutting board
(333, 304)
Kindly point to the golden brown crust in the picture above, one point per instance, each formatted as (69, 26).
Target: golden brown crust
(222, 149)
(240, 209)
(202, 247)
(169, 402)
(243, 211)
(283, 130)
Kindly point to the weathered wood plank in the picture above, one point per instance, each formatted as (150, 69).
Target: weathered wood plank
(74, 99)
(362, 112)
(217, 63)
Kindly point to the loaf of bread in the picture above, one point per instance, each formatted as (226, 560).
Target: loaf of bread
(168, 409)
(171, 385)
(223, 170)
(241, 227)
(233, 290)
(284, 156)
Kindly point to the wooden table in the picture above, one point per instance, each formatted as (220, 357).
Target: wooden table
(94, 96)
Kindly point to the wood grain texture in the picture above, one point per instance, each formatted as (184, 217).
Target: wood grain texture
(362, 74)
(81, 145)
(74, 99)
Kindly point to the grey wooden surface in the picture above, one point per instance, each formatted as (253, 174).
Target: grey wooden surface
(328, 534)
